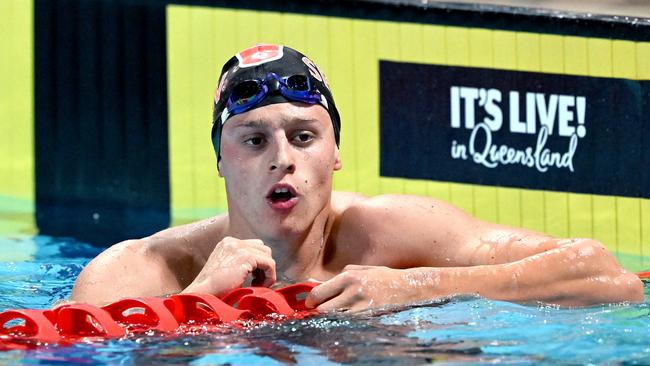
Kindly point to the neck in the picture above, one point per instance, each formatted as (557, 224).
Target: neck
(298, 254)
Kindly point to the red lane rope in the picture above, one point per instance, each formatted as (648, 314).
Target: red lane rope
(644, 275)
(180, 313)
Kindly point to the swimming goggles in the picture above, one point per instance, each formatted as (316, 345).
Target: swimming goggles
(249, 93)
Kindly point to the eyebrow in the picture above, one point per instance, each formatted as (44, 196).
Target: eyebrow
(259, 124)
(250, 124)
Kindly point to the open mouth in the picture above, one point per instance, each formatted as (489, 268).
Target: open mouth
(281, 195)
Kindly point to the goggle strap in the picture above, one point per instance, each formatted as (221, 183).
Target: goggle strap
(224, 115)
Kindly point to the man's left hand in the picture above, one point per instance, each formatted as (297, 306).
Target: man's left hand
(362, 287)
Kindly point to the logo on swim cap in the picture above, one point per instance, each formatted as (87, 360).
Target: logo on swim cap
(259, 54)
(315, 71)
(220, 87)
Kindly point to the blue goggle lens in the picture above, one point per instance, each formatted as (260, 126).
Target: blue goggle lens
(249, 93)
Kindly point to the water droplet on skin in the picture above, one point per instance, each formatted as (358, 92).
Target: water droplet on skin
(586, 251)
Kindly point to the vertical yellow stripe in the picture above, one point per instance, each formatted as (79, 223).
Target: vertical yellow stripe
(318, 48)
(642, 64)
(204, 62)
(434, 45)
(17, 116)
(556, 214)
(223, 31)
(599, 53)
(246, 29)
(645, 232)
(604, 218)
(552, 54)
(293, 26)
(16, 102)
(271, 28)
(178, 97)
(481, 48)
(341, 72)
(580, 215)
(505, 48)
(628, 224)
(366, 116)
(457, 42)
(575, 55)
(528, 52)
(624, 60)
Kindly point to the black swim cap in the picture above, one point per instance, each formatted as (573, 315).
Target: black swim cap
(256, 63)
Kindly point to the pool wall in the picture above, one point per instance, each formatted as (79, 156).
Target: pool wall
(147, 160)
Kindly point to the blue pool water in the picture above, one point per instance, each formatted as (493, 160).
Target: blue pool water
(457, 331)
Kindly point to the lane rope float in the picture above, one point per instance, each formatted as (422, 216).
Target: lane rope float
(644, 275)
(179, 313)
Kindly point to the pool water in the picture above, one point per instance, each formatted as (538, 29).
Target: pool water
(463, 330)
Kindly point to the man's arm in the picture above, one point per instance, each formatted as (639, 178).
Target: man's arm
(436, 250)
(163, 263)
(189, 258)
(126, 269)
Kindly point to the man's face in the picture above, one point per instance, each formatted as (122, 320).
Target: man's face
(278, 161)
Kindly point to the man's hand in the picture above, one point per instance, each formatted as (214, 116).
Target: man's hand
(230, 264)
(362, 287)
(578, 272)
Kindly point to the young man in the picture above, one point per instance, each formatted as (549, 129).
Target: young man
(276, 134)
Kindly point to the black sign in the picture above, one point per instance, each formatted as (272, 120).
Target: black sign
(515, 129)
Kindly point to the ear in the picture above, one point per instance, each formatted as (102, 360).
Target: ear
(219, 168)
(337, 163)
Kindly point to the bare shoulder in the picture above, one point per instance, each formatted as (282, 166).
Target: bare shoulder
(410, 231)
(160, 264)
(403, 208)
(397, 230)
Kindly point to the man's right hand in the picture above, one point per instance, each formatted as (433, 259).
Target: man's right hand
(231, 262)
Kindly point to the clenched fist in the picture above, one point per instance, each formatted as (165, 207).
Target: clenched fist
(230, 264)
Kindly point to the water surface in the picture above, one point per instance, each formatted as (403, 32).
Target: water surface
(467, 330)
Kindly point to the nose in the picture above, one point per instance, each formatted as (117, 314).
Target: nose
(282, 159)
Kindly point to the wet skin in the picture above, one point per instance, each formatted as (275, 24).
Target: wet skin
(284, 224)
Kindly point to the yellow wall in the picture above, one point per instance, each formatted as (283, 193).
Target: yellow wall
(200, 40)
(16, 116)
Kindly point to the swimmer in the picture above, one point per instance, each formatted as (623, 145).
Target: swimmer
(275, 135)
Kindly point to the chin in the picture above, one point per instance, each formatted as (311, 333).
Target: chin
(283, 227)
(287, 228)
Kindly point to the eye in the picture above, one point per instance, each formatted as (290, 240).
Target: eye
(254, 141)
(303, 137)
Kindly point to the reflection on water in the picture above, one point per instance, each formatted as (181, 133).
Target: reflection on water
(455, 331)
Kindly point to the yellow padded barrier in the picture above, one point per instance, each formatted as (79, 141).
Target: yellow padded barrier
(348, 50)
(16, 117)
